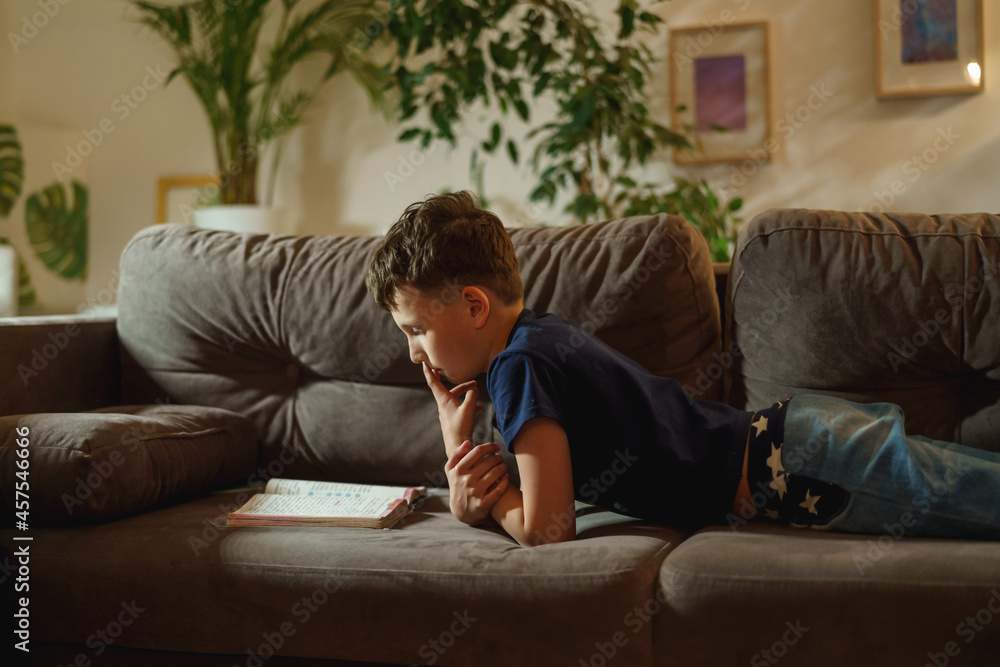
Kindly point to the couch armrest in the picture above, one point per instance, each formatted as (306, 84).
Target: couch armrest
(58, 364)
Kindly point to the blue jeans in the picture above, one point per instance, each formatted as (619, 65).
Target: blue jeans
(897, 482)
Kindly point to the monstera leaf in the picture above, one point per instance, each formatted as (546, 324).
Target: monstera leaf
(25, 290)
(57, 233)
(11, 169)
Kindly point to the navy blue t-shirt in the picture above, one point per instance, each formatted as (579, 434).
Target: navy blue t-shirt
(639, 444)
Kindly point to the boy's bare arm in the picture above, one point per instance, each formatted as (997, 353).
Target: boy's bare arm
(542, 510)
(477, 479)
(477, 476)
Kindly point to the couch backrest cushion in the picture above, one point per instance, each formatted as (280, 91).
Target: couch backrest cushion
(903, 308)
(281, 329)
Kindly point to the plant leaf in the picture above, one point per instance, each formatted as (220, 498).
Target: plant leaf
(58, 233)
(512, 151)
(11, 169)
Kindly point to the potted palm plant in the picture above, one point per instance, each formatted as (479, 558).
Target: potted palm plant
(244, 85)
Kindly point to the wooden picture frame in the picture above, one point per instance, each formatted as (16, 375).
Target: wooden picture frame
(720, 78)
(928, 47)
(177, 196)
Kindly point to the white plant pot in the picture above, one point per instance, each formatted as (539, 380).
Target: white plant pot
(247, 218)
(8, 282)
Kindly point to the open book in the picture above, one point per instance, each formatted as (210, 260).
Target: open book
(298, 502)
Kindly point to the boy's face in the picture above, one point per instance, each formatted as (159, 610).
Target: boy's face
(441, 332)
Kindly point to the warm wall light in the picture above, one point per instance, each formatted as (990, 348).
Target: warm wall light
(975, 73)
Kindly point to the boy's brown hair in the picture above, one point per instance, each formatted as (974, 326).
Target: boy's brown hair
(442, 241)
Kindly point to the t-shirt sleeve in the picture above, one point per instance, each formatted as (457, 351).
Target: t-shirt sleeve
(521, 390)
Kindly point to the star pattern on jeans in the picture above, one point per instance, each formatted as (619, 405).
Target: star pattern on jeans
(790, 497)
(774, 461)
(760, 425)
(810, 502)
(779, 484)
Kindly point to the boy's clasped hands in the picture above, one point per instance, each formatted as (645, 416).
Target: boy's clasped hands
(477, 476)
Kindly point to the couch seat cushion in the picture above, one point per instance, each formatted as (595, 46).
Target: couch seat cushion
(810, 598)
(430, 590)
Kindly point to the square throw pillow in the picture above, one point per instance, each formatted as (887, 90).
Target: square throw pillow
(106, 463)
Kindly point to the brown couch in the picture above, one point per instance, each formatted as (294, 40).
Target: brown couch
(229, 332)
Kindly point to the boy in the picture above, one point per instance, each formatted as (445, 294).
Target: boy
(585, 422)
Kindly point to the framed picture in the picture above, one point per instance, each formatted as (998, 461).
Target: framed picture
(928, 47)
(719, 90)
(177, 197)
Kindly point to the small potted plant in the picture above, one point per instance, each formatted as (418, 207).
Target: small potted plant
(245, 84)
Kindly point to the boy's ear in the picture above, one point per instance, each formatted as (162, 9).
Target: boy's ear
(477, 303)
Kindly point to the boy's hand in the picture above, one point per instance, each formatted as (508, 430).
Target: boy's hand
(457, 418)
(478, 478)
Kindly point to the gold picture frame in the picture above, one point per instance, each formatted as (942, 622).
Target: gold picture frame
(720, 78)
(928, 47)
(177, 195)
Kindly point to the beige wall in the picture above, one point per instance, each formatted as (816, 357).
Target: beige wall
(845, 153)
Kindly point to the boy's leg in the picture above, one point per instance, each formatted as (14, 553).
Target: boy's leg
(896, 482)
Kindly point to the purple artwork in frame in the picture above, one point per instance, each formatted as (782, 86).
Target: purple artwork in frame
(720, 93)
(930, 30)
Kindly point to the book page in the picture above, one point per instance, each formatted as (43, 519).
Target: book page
(315, 506)
(338, 489)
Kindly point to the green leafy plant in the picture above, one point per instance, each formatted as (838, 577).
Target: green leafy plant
(57, 232)
(453, 58)
(244, 85)
(11, 169)
(698, 204)
(11, 181)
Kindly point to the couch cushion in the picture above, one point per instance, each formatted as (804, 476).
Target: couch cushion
(903, 308)
(766, 594)
(429, 591)
(114, 461)
(281, 329)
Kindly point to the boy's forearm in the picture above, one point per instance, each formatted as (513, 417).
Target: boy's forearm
(509, 513)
